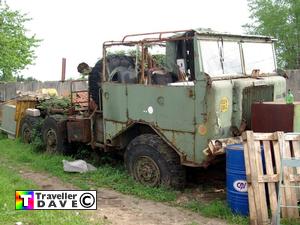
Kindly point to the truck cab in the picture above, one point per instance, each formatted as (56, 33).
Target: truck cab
(217, 78)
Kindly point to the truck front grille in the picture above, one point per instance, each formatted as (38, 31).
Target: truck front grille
(255, 94)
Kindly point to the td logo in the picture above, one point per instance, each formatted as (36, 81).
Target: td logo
(24, 200)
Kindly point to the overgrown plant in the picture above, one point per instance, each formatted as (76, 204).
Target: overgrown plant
(37, 143)
(55, 103)
(82, 152)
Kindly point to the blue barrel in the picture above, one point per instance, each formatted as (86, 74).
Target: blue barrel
(237, 195)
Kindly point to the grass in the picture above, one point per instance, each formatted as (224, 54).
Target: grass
(217, 209)
(10, 182)
(105, 176)
(113, 177)
(290, 222)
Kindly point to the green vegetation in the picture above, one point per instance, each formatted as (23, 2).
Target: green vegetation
(290, 222)
(10, 182)
(217, 209)
(21, 78)
(114, 177)
(2, 135)
(37, 143)
(17, 47)
(106, 175)
(280, 19)
(55, 103)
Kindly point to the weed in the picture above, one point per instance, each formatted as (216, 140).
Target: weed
(216, 209)
(37, 143)
(290, 222)
(82, 152)
(56, 103)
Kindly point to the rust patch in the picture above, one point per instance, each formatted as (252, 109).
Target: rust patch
(79, 130)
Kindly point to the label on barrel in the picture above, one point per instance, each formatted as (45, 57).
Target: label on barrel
(240, 185)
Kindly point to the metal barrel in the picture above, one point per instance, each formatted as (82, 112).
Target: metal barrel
(236, 182)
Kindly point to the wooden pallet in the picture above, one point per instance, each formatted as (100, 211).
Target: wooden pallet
(263, 171)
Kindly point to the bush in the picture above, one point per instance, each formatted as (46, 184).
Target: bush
(37, 143)
(55, 103)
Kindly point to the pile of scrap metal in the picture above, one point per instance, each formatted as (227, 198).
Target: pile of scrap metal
(12, 111)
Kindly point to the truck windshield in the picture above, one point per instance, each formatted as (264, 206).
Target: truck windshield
(258, 56)
(221, 58)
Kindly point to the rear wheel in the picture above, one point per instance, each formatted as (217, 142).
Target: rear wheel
(152, 162)
(54, 136)
(27, 126)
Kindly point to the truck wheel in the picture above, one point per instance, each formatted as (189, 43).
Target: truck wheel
(27, 124)
(152, 162)
(54, 136)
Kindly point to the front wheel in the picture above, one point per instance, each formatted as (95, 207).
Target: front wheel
(152, 162)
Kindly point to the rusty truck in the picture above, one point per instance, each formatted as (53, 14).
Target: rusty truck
(162, 115)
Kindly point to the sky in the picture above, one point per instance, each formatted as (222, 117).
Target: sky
(76, 29)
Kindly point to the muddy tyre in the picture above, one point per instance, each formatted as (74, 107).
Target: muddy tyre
(152, 162)
(27, 126)
(54, 135)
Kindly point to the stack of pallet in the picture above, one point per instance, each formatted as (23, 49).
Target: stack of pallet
(263, 154)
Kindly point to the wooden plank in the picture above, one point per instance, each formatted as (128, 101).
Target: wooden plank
(296, 148)
(290, 194)
(269, 178)
(250, 163)
(261, 186)
(270, 172)
(285, 197)
(292, 137)
(251, 202)
(277, 145)
(260, 136)
(294, 201)
(295, 178)
(264, 137)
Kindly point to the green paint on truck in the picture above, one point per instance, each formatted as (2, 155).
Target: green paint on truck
(212, 101)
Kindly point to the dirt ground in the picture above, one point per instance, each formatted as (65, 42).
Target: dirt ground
(120, 209)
